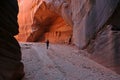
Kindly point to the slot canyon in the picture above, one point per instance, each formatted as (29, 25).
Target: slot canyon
(84, 39)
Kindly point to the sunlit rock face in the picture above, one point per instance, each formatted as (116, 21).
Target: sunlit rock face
(39, 21)
(25, 19)
(85, 18)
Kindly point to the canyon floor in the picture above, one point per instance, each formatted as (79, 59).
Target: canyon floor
(61, 62)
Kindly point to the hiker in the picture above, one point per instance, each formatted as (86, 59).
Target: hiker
(47, 44)
(11, 67)
(70, 39)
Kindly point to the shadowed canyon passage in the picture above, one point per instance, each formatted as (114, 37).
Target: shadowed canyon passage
(91, 25)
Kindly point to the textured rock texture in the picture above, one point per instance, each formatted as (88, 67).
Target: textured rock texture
(86, 17)
(39, 22)
(89, 17)
(105, 48)
(104, 45)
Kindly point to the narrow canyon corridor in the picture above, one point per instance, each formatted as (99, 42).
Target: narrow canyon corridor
(91, 25)
(61, 62)
(60, 40)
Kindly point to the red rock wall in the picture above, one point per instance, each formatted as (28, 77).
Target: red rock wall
(36, 19)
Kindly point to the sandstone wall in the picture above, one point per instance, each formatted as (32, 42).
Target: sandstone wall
(88, 17)
(105, 48)
(38, 19)
(90, 31)
(103, 40)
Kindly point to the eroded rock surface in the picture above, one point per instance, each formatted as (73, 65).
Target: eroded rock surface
(57, 20)
(105, 48)
(38, 22)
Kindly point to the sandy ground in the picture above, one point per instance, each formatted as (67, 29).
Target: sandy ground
(61, 62)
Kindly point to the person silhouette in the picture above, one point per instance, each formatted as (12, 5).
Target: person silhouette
(47, 44)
